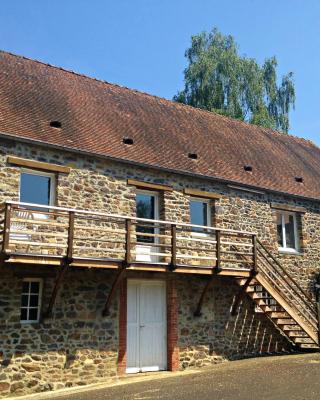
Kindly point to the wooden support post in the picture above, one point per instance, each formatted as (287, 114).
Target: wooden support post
(254, 254)
(6, 229)
(208, 285)
(67, 260)
(240, 296)
(173, 264)
(127, 260)
(318, 309)
(218, 251)
(123, 270)
(121, 275)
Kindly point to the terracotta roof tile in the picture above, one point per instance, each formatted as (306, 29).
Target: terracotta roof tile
(96, 115)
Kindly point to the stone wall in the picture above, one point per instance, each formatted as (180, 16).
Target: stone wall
(77, 346)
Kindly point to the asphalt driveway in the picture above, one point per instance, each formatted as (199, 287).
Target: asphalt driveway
(295, 377)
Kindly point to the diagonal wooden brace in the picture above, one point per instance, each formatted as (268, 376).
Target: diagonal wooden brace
(208, 285)
(63, 269)
(240, 296)
(121, 275)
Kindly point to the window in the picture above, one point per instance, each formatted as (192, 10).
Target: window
(37, 187)
(31, 300)
(200, 214)
(147, 207)
(287, 231)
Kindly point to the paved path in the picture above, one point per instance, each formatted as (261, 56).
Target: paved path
(273, 378)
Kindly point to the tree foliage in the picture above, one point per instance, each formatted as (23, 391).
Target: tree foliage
(218, 79)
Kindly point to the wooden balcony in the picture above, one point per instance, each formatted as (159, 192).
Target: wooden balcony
(35, 234)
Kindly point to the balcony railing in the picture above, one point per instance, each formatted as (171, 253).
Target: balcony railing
(56, 232)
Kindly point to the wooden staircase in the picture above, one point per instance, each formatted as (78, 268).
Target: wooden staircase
(282, 300)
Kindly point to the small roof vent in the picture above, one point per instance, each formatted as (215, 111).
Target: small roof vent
(127, 140)
(193, 156)
(55, 124)
(299, 179)
(248, 168)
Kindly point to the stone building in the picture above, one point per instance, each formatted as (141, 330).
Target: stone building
(138, 234)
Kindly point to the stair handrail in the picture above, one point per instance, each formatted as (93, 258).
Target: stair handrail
(285, 271)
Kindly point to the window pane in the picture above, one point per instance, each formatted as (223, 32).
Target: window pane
(279, 230)
(35, 189)
(145, 209)
(34, 287)
(198, 214)
(34, 300)
(289, 226)
(33, 314)
(24, 300)
(24, 314)
(25, 287)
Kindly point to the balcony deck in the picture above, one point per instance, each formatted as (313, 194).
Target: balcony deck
(45, 235)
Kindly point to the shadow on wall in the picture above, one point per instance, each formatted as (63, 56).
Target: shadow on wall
(218, 336)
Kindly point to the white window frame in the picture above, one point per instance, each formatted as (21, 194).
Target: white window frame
(52, 177)
(206, 201)
(30, 280)
(284, 248)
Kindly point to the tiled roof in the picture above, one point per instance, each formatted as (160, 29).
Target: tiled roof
(96, 116)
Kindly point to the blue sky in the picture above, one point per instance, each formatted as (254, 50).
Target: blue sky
(141, 43)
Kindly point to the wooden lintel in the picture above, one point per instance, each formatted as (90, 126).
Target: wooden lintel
(201, 193)
(23, 162)
(286, 207)
(148, 185)
(121, 275)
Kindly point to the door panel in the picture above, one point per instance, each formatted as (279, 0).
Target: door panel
(146, 343)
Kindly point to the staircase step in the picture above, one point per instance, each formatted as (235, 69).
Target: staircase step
(297, 334)
(287, 328)
(286, 321)
(281, 315)
(242, 282)
(303, 341)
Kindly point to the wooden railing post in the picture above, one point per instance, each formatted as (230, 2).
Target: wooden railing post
(173, 247)
(254, 254)
(70, 236)
(218, 250)
(127, 260)
(6, 227)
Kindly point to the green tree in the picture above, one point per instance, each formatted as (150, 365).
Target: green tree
(219, 79)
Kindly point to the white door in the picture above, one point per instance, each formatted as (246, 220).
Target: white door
(146, 326)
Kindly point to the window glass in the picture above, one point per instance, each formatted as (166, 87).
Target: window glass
(279, 230)
(35, 189)
(199, 215)
(289, 228)
(30, 300)
(146, 208)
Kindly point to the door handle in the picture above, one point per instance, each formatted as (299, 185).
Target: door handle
(142, 326)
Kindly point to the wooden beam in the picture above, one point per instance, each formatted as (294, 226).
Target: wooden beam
(286, 207)
(208, 285)
(202, 193)
(121, 275)
(61, 274)
(23, 162)
(148, 185)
